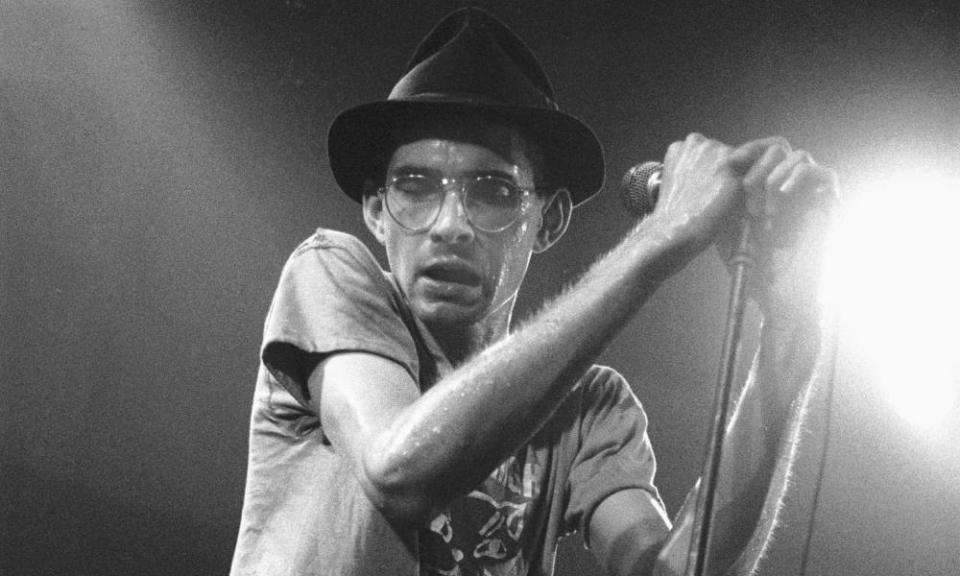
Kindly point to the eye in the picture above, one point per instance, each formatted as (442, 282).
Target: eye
(495, 192)
(414, 187)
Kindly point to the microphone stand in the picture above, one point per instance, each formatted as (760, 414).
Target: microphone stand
(700, 541)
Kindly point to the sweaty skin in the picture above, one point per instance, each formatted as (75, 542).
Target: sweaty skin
(412, 453)
(459, 281)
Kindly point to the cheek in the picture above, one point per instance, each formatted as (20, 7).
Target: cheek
(513, 256)
(398, 251)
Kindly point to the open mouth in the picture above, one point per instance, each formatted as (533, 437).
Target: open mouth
(452, 274)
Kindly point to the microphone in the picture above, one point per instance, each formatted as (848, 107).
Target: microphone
(640, 188)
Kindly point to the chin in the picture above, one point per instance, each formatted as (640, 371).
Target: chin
(446, 315)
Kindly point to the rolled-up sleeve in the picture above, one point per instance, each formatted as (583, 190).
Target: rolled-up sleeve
(332, 297)
(614, 450)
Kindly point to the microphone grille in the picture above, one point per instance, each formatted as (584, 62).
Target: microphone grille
(640, 188)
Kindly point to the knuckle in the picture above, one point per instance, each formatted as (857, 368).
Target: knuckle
(673, 150)
(810, 170)
(802, 156)
(778, 154)
(781, 143)
(823, 178)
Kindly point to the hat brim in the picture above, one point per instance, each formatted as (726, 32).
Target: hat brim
(360, 138)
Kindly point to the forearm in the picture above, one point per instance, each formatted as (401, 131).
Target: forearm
(449, 439)
(762, 436)
(427, 449)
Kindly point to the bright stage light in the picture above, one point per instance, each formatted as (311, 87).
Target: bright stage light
(894, 277)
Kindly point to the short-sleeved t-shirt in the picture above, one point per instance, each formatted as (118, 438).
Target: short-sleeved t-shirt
(304, 512)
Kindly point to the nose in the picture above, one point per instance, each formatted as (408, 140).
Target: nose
(452, 225)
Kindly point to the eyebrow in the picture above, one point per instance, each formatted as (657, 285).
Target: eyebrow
(434, 173)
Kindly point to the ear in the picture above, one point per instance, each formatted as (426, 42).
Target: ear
(374, 211)
(555, 217)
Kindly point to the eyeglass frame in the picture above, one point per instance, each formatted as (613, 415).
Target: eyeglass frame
(445, 186)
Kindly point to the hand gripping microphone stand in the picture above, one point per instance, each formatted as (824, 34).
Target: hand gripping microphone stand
(640, 190)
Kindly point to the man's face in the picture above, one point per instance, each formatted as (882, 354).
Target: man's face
(453, 274)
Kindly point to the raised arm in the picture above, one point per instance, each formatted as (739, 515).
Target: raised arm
(414, 453)
(795, 197)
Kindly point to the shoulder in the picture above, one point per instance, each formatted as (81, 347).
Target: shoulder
(603, 384)
(333, 279)
(600, 375)
(330, 262)
(332, 244)
(326, 239)
(606, 403)
(333, 296)
(601, 399)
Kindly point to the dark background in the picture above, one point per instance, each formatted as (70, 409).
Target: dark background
(159, 161)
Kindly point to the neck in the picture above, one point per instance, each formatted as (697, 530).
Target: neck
(461, 342)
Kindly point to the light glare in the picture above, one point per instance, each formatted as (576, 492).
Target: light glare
(894, 277)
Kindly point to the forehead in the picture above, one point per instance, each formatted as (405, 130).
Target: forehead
(452, 158)
(468, 144)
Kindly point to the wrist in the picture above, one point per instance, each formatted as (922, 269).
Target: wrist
(663, 247)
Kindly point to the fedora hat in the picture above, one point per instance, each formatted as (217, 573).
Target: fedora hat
(469, 64)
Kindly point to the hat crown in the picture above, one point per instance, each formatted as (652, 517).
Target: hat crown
(472, 57)
(469, 64)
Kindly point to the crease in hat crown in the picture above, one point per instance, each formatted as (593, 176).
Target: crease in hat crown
(479, 54)
(470, 62)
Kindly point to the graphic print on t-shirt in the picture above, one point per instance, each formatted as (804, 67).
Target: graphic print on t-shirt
(480, 533)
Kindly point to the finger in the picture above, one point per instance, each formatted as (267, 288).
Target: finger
(807, 190)
(812, 184)
(755, 180)
(672, 152)
(775, 184)
(695, 138)
(677, 149)
(744, 157)
(778, 177)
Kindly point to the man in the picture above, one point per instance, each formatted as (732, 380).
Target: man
(400, 426)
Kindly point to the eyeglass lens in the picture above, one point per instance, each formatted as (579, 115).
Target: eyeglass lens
(491, 203)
